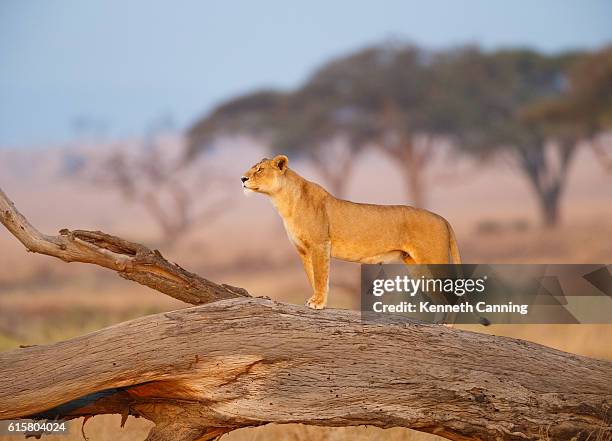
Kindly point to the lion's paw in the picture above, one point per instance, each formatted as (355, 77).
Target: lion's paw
(314, 303)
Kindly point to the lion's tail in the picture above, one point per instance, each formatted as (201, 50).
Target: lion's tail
(452, 244)
(456, 259)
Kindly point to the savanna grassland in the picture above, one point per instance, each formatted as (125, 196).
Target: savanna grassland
(43, 300)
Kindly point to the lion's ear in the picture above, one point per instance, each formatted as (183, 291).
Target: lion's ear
(281, 162)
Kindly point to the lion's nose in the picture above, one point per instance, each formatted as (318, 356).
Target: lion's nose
(244, 179)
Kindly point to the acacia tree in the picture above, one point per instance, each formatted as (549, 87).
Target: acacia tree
(585, 108)
(379, 96)
(482, 101)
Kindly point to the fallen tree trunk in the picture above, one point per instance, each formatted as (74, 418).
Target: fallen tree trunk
(210, 369)
(201, 372)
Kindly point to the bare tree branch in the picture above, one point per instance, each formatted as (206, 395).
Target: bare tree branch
(160, 181)
(130, 260)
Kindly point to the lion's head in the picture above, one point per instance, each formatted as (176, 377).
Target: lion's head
(266, 176)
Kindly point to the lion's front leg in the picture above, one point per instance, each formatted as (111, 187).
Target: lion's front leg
(319, 256)
(307, 264)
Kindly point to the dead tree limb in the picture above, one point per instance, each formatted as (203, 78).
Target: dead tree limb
(130, 260)
(246, 362)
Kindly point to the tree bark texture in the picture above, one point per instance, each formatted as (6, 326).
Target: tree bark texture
(246, 362)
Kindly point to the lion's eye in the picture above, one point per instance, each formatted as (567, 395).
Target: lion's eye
(258, 170)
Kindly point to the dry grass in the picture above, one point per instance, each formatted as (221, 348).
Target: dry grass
(43, 300)
(107, 428)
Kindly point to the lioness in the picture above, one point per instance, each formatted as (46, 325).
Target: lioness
(322, 226)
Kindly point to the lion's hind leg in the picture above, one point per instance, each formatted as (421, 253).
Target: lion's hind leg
(433, 254)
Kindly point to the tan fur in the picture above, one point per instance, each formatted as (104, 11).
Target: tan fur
(321, 226)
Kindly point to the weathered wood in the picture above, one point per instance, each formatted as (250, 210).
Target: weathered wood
(130, 260)
(244, 362)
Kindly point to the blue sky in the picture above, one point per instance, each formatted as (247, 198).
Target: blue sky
(123, 64)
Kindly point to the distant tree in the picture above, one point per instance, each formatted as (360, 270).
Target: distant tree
(482, 101)
(585, 107)
(160, 181)
(378, 97)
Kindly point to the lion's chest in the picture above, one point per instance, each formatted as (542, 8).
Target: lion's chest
(305, 224)
(296, 237)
